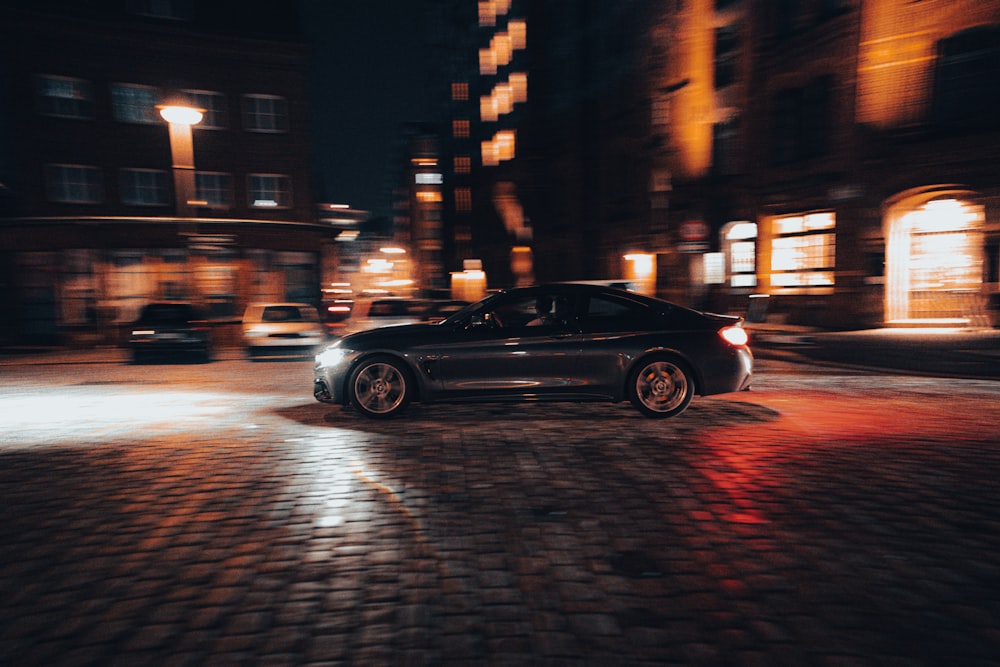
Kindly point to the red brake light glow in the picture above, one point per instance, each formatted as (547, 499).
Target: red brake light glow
(734, 335)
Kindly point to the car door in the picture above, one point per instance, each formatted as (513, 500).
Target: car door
(613, 329)
(507, 355)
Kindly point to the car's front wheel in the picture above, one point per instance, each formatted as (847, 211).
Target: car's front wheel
(380, 387)
(660, 387)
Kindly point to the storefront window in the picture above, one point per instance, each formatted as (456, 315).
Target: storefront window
(740, 240)
(803, 251)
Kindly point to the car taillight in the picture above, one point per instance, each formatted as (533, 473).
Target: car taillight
(734, 335)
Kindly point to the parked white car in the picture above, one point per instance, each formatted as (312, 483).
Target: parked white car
(281, 329)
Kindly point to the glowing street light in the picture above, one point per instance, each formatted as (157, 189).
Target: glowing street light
(180, 119)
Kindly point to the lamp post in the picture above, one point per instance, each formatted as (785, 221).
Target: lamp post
(180, 119)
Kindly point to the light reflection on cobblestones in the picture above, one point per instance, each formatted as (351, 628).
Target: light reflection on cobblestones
(812, 520)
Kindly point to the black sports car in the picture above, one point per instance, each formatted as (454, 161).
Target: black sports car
(551, 342)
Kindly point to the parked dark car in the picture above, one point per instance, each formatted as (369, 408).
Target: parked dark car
(170, 329)
(553, 342)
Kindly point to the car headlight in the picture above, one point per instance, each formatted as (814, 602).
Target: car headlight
(331, 356)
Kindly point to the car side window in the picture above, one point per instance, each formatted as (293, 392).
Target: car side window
(609, 315)
(516, 313)
(534, 315)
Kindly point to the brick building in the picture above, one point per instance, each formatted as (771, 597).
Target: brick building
(99, 212)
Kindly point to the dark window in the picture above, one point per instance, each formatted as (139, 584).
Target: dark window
(265, 113)
(831, 8)
(802, 122)
(145, 187)
(608, 315)
(967, 86)
(726, 55)
(65, 96)
(724, 148)
(73, 183)
(787, 17)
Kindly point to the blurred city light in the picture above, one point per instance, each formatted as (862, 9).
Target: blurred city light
(180, 115)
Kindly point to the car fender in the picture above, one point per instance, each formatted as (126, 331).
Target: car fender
(408, 360)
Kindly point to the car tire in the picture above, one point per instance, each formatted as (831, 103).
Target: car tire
(380, 387)
(660, 387)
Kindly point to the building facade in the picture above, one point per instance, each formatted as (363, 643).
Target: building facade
(105, 205)
(834, 156)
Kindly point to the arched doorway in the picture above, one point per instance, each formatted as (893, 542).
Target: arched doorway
(934, 259)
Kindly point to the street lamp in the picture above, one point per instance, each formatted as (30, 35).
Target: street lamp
(180, 119)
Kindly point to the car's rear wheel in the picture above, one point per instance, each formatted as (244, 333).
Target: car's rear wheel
(661, 387)
(380, 387)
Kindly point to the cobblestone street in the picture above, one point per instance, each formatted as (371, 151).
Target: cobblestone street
(825, 518)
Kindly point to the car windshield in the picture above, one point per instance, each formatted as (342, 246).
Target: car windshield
(462, 315)
(286, 314)
(166, 313)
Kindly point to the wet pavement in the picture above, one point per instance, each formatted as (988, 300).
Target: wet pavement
(829, 517)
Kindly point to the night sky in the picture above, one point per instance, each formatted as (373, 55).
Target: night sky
(369, 76)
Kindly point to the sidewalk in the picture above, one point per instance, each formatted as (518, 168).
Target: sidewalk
(952, 352)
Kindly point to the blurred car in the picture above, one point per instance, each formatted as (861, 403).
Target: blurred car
(553, 342)
(169, 328)
(335, 311)
(281, 329)
(386, 312)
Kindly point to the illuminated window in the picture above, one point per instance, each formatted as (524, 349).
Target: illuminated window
(945, 247)
(505, 142)
(265, 113)
(489, 154)
(65, 97)
(803, 251)
(429, 196)
(487, 61)
(214, 188)
(270, 191)
(463, 199)
(488, 111)
(741, 241)
(459, 92)
(503, 98)
(487, 13)
(131, 103)
(215, 116)
(500, 45)
(519, 86)
(463, 165)
(460, 129)
(518, 31)
(73, 183)
(145, 187)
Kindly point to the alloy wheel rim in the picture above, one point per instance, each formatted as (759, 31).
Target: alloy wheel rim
(661, 386)
(380, 388)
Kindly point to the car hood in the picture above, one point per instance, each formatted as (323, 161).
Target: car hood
(390, 333)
